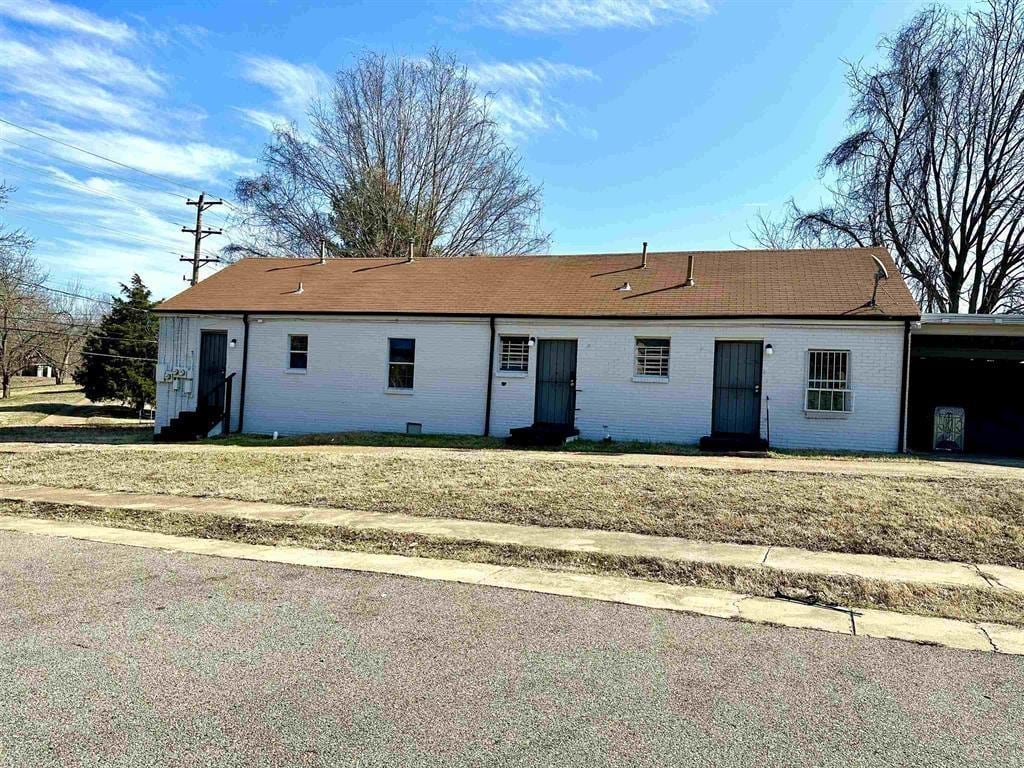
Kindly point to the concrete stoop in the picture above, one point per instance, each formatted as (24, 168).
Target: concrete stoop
(976, 636)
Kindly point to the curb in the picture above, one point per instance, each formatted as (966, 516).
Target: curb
(948, 633)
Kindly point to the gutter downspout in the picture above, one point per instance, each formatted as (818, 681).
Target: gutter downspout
(245, 368)
(490, 383)
(904, 388)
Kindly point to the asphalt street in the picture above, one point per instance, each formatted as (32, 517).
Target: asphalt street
(115, 656)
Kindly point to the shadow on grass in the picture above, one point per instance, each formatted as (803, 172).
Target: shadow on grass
(88, 411)
(98, 435)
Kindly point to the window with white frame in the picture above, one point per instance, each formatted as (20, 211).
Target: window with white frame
(298, 352)
(828, 381)
(401, 361)
(515, 353)
(652, 357)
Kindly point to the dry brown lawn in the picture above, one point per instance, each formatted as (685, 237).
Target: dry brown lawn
(970, 604)
(978, 519)
(32, 400)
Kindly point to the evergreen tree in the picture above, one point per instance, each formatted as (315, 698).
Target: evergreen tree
(128, 330)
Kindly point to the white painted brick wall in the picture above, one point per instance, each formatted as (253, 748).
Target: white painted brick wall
(178, 347)
(344, 387)
(609, 402)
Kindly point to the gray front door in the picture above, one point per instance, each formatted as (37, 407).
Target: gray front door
(736, 408)
(556, 382)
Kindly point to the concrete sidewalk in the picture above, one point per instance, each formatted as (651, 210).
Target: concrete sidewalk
(617, 543)
(951, 633)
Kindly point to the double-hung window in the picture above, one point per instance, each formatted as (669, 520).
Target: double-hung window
(401, 361)
(298, 352)
(828, 381)
(515, 353)
(652, 357)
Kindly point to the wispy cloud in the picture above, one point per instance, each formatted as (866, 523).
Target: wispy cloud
(294, 85)
(522, 95)
(562, 15)
(106, 67)
(268, 121)
(79, 79)
(43, 13)
(539, 73)
(186, 160)
(96, 83)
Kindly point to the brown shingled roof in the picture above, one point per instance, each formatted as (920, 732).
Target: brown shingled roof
(809, 283)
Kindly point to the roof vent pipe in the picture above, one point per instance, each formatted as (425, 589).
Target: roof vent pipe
(323, 251)
(689, 270)
(643, 259)
(412, 244)
(299, 289)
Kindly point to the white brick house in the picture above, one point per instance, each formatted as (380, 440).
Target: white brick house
(780, 344)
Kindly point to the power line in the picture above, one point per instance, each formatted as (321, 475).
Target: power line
(45, 287)
(98, 156)
(86, 187)
(120, 357)
(80, 335)
(132, 182)
(141, 239)
(92, 169)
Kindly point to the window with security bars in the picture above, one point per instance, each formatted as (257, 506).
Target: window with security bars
(828, 381)
(652, 357)
(515, 353)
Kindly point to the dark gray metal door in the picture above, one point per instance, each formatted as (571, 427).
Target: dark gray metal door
(213, 360)
(736, 408)
(556, 382)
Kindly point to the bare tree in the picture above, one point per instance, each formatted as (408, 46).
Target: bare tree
(933, 167)
(23, 305)
(70, 319)
(401, 150)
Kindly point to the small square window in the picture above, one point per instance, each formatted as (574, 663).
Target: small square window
(652, 357)
(401, 361)
(515, 353)
(298, 352)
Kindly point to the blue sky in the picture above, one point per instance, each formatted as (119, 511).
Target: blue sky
(672, 121)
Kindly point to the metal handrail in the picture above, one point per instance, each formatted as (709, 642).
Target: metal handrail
(225, 416)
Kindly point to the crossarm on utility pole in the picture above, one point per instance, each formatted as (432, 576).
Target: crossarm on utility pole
(199, 234)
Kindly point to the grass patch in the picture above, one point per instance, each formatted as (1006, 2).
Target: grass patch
(29, 404)
(98, 434)
(971, 604)
(975, 519)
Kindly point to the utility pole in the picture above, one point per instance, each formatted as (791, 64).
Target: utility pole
(199, 233)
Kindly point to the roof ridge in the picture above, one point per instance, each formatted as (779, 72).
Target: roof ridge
(608, 254)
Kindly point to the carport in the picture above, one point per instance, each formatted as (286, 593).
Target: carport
(966, 384)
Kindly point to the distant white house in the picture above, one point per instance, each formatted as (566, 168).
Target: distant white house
(808, 348)
(38, 371)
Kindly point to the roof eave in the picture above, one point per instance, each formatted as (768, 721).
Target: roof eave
(537, 315)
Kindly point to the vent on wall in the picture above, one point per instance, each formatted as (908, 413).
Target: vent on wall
(413, 428)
